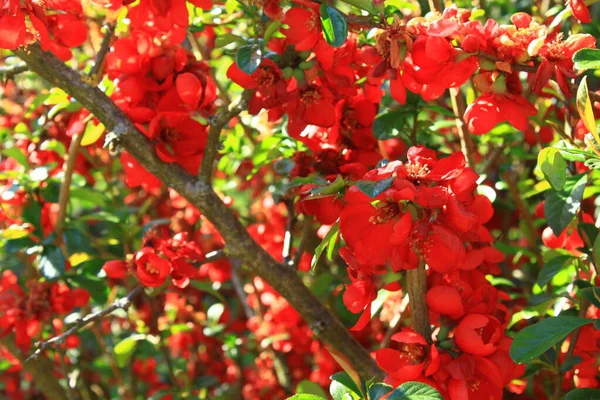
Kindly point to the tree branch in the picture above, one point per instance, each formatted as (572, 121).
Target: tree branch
(123, 303)
(284, 280)
(214, 134)
(416, 281)
(9, 71)
(71, 157)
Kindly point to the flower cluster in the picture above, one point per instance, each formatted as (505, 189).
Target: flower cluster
(26, 313)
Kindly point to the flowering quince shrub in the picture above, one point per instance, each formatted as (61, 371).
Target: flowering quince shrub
(299, 199)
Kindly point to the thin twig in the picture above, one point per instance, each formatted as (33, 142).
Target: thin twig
(9, 71)
(211, 257)
(307, 231)
(239, 287)
(71, 157)
(203, 52)
(122, 303)
(395, 323)
(161, 344)
(525, 213)
(288, 239)
(214, 132)
(102, 52)
(466, 143)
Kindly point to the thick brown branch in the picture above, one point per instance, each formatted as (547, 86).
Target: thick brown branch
(199, 193)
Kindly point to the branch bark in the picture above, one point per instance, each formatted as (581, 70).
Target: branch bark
(323, 323)
(416, 280)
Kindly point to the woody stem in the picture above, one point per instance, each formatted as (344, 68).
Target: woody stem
(416, 280)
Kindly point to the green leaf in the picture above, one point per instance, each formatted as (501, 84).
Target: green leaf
(378, 390)
(92, 133)
(583, 394)
(335, 30)
(585, 110)
(306, 396)
(375, 188)
(342, 384)
(534, 340)
(595, 248)
(51, 263)
(125, 348)
(328, 241)
(569, 363)
(386, 126)
(553, 166)
(206, 286)
(96, 286)
(587, 59)
(248, 58)
(18, 155)
(227, 38)
(561, 206)
(415, 391)
(310, 387)
(333, 188)
(592, 294)
(551, 268)
(271, 29)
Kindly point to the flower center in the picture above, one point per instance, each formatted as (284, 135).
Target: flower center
(310, 96)
(384, 213)
(415, 353)
(169, 135)
(416, 171)
(266, 77)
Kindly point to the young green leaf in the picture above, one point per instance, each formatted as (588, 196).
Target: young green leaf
(534, 340)
(553, 166)
(415, 391)
(587, 59)
(551, 268)
(328, 241)
(584, 108)
(51, 263)
(561, 206)
(378, 390)
(335, 30)
(583, 394)
(374, 188)
(305, 396)
(248, 58)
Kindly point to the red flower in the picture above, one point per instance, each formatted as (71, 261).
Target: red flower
(267, 80)
(477, 334)
(151, 269)
(326, 209)
(304, 28)
(490, 109)
(410, 357)
(445, 300)
(310, 105)
(115, 269)
(580, 10)
(473, 378)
